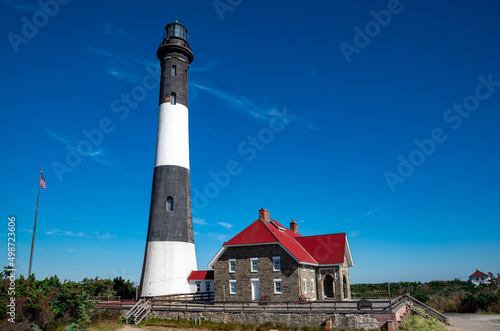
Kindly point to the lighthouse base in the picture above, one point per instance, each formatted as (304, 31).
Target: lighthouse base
(168, 265)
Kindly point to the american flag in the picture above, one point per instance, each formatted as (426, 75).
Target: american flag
(42, 183)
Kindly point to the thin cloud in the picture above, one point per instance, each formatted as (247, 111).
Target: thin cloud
(362, 216)
(25, 7)
(226, 225)
(312, 126)
(314, 72)
(89, 235)
(237, 102)
(358, 218)
(68, 250)
(199, 221)
(204, 67)
(110, 29)
(123, 66)
(106, 54)
(130, 78)
(97, 154)
(354, 233)
(218, 236)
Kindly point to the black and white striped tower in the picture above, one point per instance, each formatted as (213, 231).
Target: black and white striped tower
(170, 254)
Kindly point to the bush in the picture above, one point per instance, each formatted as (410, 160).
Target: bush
(421, 297)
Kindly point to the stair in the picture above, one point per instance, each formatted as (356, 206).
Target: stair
(426, 311)
(138, 312)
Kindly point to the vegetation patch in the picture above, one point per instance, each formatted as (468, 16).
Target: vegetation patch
(54, 305)
(419, 323)
(453, 296)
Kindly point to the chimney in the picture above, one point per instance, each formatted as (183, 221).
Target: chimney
(294, 227)
(264, 215)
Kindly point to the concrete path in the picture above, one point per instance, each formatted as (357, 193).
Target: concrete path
(473, 322)
(129, 328)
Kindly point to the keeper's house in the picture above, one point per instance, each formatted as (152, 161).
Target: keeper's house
(269, 262)
(479, 278)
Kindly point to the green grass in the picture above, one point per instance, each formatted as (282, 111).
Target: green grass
(419, 323)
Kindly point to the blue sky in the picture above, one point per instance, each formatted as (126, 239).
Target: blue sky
(390, 133)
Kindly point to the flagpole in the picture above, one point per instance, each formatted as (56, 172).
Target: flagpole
(34, 227)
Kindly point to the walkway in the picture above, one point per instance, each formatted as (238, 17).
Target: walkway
(473, 322)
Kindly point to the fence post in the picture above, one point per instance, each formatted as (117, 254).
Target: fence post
(389, 289)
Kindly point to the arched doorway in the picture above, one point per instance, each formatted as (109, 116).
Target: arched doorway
(344, 281)
(328, 287)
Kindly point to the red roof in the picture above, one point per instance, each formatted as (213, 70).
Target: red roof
(322, 249)
(201, 275)
(479, 274)
(325, 249)
(255, 233)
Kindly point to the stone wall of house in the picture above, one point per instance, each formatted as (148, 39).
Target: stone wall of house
(309, 288)
(344, 272)
(288, 274)
(337, 321)
(334, 273)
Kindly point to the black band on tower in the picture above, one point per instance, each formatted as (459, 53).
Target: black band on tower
(170, 216)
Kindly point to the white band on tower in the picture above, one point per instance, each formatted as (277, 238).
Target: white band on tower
(172, 147)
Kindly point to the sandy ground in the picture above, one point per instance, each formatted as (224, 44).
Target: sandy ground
(473, 322)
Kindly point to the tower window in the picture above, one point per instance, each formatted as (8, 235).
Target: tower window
(173, 98)
(170, 204)
(174, 71)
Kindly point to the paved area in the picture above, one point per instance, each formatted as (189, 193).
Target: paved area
(473, 322)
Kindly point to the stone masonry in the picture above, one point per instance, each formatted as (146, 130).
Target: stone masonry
(349, 321)
(296, 280)
(264, 253)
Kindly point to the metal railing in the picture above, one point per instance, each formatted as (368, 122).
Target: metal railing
(428, 310)
(139, 311)
(104, 298)
(289, 306)
(198, 296)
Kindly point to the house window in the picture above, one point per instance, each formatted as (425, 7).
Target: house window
(232, 287)
(254, 267)
(174, 71)
(232, 265)
(312, 285)
(170, 204)
(207, 287)
(277, 286)
(305, 286)
(276, 263)
(173, 98)
(198, 286)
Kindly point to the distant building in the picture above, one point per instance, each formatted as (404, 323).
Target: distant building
(201, 281)
(269, 262)
(479, 277)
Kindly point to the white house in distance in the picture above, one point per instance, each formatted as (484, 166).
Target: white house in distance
(479, 277)
(201, 281)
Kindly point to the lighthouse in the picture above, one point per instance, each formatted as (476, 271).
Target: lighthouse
(170, 253)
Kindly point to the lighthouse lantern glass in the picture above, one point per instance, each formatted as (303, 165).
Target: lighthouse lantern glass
(177, 30)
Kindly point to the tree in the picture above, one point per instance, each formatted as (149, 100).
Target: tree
(493, 279)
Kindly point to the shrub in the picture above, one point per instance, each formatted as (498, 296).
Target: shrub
(421, 297)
